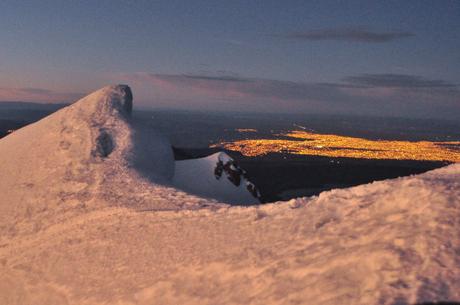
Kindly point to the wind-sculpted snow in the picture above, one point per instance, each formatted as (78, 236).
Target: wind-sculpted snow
(87, 153)
(81, 223)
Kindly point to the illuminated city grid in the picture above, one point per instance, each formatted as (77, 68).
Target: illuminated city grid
(328, 145)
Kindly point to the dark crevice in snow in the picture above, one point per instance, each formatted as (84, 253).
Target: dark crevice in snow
(104, 144)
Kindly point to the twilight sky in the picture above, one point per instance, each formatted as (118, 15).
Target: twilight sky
(396, 58)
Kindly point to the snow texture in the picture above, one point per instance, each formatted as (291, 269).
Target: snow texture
(87, 217)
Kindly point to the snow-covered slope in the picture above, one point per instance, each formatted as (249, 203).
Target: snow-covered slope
(89, 152)
(216, 176)
(86, 217)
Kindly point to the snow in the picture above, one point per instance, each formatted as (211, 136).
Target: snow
(88, 216)
(198, 176)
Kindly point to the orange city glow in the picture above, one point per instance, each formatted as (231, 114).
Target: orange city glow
(307, 143)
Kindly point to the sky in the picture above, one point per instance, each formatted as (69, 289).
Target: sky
(379, 58)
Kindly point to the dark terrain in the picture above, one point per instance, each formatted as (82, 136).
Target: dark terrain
(14, 115)
(285, 176)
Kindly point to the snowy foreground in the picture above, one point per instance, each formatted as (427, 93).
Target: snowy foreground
(87, 217)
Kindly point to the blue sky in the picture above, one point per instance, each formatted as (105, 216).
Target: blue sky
(398, 58)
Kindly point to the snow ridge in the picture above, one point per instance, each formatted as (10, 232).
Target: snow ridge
(90, 152)
(87, 217)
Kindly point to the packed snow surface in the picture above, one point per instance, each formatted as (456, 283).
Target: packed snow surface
(88, 216)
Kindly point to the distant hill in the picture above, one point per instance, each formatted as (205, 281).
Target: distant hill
(26, 112)
(4, 105)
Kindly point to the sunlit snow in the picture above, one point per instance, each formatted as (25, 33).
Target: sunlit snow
(87, 216)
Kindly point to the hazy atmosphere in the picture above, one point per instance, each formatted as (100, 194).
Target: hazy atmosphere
(384, 58)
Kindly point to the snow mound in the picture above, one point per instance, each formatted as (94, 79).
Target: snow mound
(81, 222)
(216, 176)
(87, 153)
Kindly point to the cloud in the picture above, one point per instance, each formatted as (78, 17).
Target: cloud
(37, 95)
(378, 94)
(224, 78)
(233, 86)
(397, 81)
(349, 35)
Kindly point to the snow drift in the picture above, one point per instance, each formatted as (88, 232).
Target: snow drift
(87, 217)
